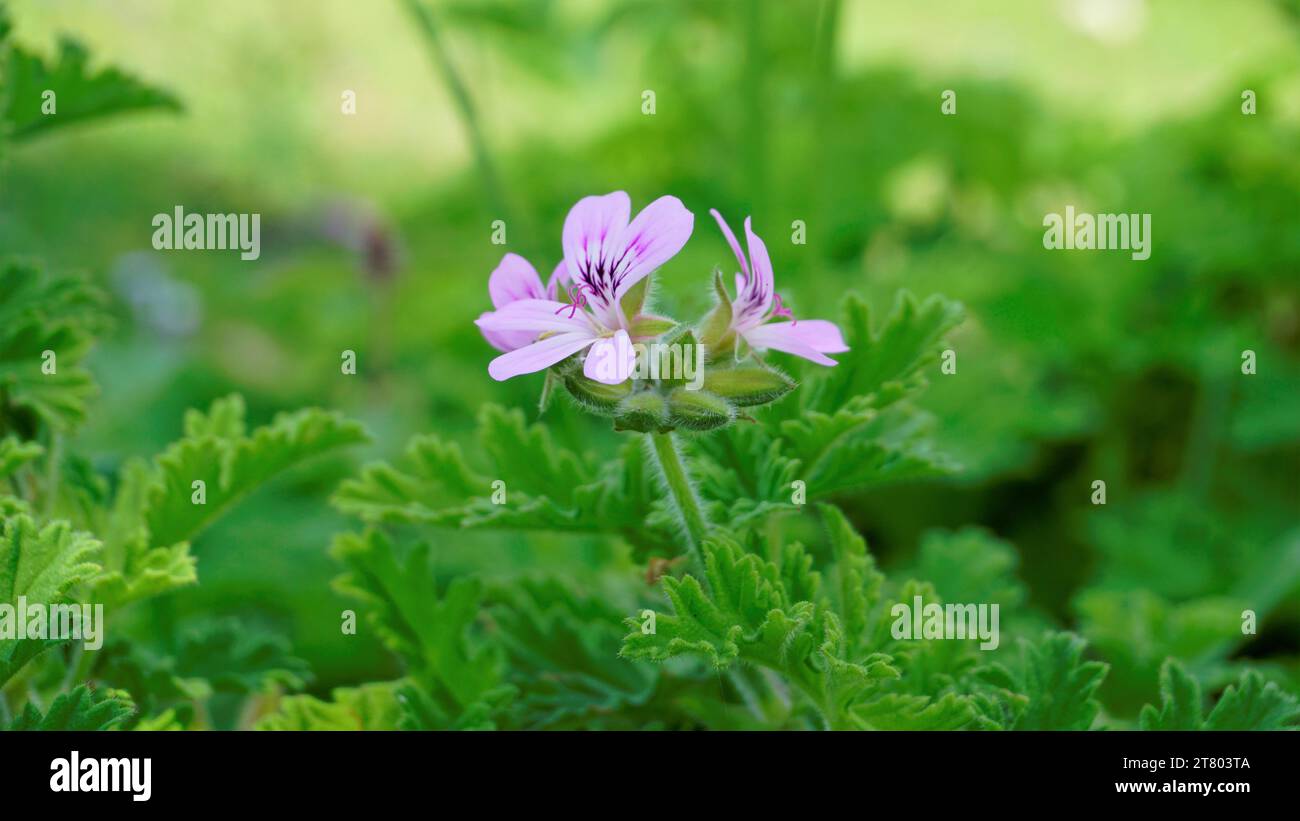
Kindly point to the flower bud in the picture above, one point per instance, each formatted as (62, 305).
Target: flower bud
(698, 410)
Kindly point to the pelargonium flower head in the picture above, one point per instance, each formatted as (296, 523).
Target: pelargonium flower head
(605, 257)
(756, 302)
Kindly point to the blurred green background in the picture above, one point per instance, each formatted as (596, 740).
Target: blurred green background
(376, 237)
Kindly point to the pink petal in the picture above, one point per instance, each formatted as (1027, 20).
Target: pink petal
(559, 282)
(653, 238)
(762, 283)
(514, 279)
(591, 230)
(610, 360)
(537, 316)
(735, 246)
(817, 334)
(812, 343)
(592, 233)
(539, 355)
(507, 340)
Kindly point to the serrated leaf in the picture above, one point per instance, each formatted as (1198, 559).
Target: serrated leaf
(14, 453)
(368, 707)
(40, 314)
(83, 708)
(1059, 685)
(83, 95)
(430, 631)
(750, 615)
(1253, 704)
(563, 650)
(880, 359)
(1180, 701)
(231, 468)
(40, 565)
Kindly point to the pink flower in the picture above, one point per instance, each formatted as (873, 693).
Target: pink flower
(604, 256)
(756, 302)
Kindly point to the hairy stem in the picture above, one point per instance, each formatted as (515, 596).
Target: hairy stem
(684, 498)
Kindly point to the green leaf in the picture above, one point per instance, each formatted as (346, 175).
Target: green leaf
(46, 329)
(550, 488)
(855, 581)
(232, 467)
(40, 565)
(755, 612)
(372, 706)
(83, 708)
(82, 95)
(431, 632)
(1253, 704)
(563, 654)
(154, 516)
(885, 363)
(971, 565)
(898, 711)
(1180, 701)
(232, 657)
(1059, 685)
(1249, 704)
(14, 453)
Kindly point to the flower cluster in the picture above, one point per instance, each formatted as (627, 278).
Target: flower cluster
(649, 372)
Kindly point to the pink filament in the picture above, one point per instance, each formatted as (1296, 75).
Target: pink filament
(780, 310)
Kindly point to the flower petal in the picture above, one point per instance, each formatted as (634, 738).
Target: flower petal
(539, 355)
(536, 315)
(514, 278)
(559, 281)
(507, 340)
(611, 359)
(762, 283)
(818, 334)
(794, 339)
(735, 247)
(653, 238)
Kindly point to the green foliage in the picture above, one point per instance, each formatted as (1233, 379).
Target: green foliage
(46, 329)
(498, 558)
(41, 566)
(369, 707)
(81, 95)
(1249, 704)
(82, 708)
(429, 631)
(1059, 687)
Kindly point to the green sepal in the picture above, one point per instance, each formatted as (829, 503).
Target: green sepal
(644, 326)
(645, 412)
(698, 410)
(715, 329)
(634, 300)
(596, 397)
(748, 386)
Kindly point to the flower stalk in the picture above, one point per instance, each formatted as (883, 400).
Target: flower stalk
(684, 498)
